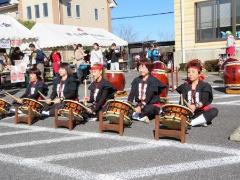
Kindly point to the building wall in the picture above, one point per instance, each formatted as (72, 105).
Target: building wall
(58, 13)
(203, 51)
(87, 15)
(11, 10)
(42, 19)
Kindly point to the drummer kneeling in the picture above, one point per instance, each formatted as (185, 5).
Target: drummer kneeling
(198, 95)
(100, 91)
(145, 90)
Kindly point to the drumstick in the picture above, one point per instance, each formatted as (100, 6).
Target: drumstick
(181, 99)
(186, 103)
(45, 100)
(13, 97)
(85, 92)
(44, 97)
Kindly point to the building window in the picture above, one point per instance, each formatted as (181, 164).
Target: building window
(69, 9)
(213, 20)
(238, 19)
(96, 14)
(45, 9)
(78, 10)
(37, 12)
(29, 12)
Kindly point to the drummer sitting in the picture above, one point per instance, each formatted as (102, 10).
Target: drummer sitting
(145, 90)
(100, 91)
(35, 86)
(65, 86)
(198, 94)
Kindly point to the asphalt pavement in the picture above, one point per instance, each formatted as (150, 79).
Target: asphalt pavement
(40, 152)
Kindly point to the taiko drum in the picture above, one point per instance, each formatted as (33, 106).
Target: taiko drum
(232, 75)
(161, 75)
(117, 79)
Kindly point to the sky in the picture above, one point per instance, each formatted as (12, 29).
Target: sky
(159, 28)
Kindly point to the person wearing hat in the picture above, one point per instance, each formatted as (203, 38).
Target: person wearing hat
(231, 44)
(198, 95)
(65, 86)
(100, 90)
(145, 90)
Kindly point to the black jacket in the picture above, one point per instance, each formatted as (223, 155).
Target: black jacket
(70, 90)
(203, 93)
(151, 93)
(100, 92)
(114, 56)
(39, 86)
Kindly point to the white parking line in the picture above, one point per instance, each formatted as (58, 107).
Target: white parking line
(175, 168)
(48, 141)
(49, 168)
(98, 152)
(19, 132)
(207, 148)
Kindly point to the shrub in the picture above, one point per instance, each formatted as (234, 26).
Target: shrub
(211, 65)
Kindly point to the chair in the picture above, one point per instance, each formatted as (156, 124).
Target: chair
(119, 127)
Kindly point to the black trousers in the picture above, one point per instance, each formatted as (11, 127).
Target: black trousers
(51, 108)
(150, 111)
(209, 115)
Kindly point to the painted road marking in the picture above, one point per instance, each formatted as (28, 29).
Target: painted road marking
(19, 132)
(97, 152)
(49, 168)
(175, 168)
(47, 141)
(207, 148)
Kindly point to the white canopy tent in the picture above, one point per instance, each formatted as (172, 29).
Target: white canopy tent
(55, 35)
(11, 29)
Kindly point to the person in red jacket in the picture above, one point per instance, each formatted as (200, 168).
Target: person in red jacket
(55, 58)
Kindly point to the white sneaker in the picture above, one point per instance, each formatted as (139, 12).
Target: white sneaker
(135, 116)
(92, 119)
(204, 125)
(145, 119)
(45, 113)
(14, 110)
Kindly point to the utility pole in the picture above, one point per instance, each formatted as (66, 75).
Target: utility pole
(182, 31)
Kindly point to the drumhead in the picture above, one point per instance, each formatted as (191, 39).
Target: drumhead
(32, 100)
(158, 71)
(177, 105)
(5, 102)
(76, 102)
(3, 111)
(24, 109)
(113, 117)
(126, 103)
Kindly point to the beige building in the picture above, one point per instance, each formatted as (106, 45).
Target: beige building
(92, 13)
(200, 28)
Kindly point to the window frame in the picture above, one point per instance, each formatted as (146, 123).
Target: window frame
(37, 9)
(69, 9)
(214, 2)
(45, 13)
(96, 14)
(78, 11)
(29, 10)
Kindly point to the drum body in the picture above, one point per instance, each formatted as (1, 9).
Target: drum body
(35, 106)
(232, 75)
(161, 75)
(4, 106)
(77, 108)
(115, 108)
(173, 114)
(116, 78)
(159, 65)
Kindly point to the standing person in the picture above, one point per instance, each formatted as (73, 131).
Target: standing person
(17, 54)
(55, 58)
(114, 57)
(100, 90)
(96, 56)
(198, 94)
(39, 57)
(231, 44)
(153, 53)
(145, 90)
(65, 86)
(79, 61)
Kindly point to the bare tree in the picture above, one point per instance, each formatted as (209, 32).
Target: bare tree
(126, 32)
